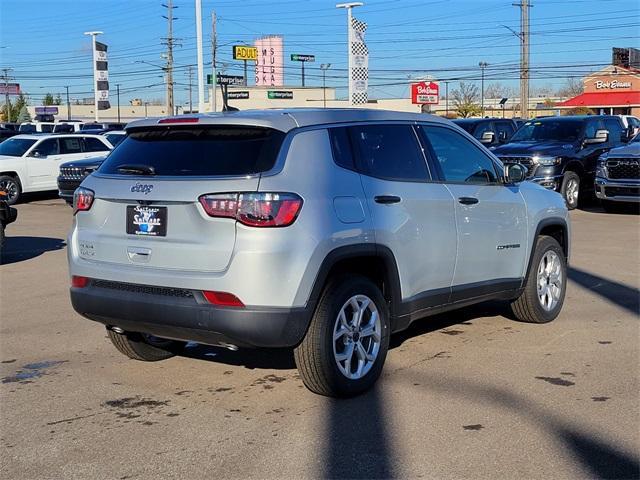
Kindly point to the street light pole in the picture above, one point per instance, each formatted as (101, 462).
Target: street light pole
(200, 63)
(68, 104)
(95, 76)
(118, 98)
(324, 67)
(145, 109)
(446, 99)
(482, 66)
(349, 7)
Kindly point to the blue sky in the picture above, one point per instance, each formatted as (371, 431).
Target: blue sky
(43, 41)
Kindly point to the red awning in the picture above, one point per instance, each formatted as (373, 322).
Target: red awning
(604, 99)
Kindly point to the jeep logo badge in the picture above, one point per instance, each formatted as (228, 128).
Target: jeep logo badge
(141, 188)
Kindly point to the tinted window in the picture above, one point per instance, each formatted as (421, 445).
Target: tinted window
(48, 147)
(46, 128)
(467, 125)
(616, 133)
(70, 145)
(15, 147)
(94, 145)
(199, 151)
(91, 126)
(481, 129)
(341, 148)
(590, 129)
(562, 130)
(27, 128)
(504, 130)
(459, 159)
(391, 152)
(114, 139)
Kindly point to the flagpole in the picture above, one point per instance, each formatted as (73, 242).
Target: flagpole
(349, 7)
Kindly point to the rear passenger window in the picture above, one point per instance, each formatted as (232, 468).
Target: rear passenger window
(94, 145)
(459, 159)
(390, 152)
(341, 148)
(70, 145)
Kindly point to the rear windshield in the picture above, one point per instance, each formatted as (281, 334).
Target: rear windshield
(201, 151)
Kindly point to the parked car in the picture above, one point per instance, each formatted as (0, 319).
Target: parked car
(73, 173)
(6, 133)
(115, 136)
(9, 126)
(7, 215)
(103, 126)
(618, 175)
(36, 127)
(30, 163)
(561, 152)
(68, 126)
(491, 132)
(324, 230)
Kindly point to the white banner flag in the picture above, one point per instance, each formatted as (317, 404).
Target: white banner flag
(101, 76)
(359, 71)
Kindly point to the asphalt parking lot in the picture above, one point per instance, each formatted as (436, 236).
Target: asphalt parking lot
(469, 394)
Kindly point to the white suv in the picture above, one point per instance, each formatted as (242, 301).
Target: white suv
(30, 163)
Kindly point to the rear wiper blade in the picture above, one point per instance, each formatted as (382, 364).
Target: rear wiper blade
(136, 169)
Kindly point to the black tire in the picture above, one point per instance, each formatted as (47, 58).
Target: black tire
(138, 347)
(527, 307)
(315, 355)
(570, 199)
(12, 186)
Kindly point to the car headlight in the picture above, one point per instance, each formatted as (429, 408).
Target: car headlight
(546, 160)
(602, 159)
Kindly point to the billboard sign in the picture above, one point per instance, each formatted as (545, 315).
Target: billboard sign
(296, 57)
(245, 52)
(228, 79)
(425, 93)
(101, 76)
(238, 95)
(47, 110)
(280, 95)
(270, 63)
(9, 89)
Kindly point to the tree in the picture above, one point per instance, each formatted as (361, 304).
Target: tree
(24, 115)
(498, 90)
(465, 99)
(58, 100)
(578, 111)
(48, 99)
(572, 88)
(14, 109)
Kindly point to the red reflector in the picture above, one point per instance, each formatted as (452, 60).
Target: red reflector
(222, 299)
(179, 120)
(79, 282)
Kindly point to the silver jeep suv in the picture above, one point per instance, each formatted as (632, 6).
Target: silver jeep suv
(321, 230)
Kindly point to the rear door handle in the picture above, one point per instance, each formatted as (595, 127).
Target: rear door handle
(468, 200)
(387, 199)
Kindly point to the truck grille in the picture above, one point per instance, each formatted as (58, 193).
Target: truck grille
(623, 168)
(148, 289)
(522, 160)
(72, 173)
(622, 191)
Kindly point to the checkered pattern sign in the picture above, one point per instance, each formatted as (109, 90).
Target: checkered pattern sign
(101, 76)
(359, 71)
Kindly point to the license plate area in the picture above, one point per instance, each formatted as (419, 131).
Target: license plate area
(147, 220)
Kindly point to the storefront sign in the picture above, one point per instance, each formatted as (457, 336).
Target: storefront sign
(9, 89)
(244, 95)
(425, 93)
(269, 66)
(600, 84)
(242, 52)
(296, 57)
(279, 95)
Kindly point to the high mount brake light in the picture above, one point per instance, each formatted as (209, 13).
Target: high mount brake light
(179, 120)
(254, 209)
(82, 200)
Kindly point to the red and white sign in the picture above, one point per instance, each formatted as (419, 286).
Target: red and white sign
(425, 93)
(9, 89)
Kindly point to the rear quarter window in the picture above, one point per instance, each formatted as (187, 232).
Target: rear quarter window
(200, 151)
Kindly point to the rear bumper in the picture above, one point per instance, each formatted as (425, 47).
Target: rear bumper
(191, 318)
(7, 214)
(618, 190)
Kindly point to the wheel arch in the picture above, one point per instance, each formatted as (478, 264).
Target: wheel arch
(574, 166)
(555, 227)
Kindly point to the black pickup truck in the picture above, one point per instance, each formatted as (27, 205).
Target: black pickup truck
(491, 132)
(561, 153)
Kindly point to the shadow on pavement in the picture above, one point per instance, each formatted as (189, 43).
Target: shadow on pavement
(612, 291)
(602, 459)
(251, 358)
(19, 249)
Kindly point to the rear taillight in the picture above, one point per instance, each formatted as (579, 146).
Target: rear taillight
(82, 200)
(79, 282)
(222, 299)
(254, 209)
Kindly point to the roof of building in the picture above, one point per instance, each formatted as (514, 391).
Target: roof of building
(288, 119)
(603, 99)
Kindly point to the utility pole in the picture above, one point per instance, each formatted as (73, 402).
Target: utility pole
(170, 42)
(446, 99)
(349, 7)
(214, 48)
(324, 67)
(524, 56)
(5, 77)
(118, 98)
(482, 66)
(190, 87)
(201, 106)
(68, 104)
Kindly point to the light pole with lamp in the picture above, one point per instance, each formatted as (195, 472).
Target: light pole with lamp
(349, 6)
(95, 77)
(324, 67)
(482, 66)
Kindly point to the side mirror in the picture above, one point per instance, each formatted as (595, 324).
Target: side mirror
(602, 136)
(37, 154)
(515, 173)
(487, 137)
(502, 137)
